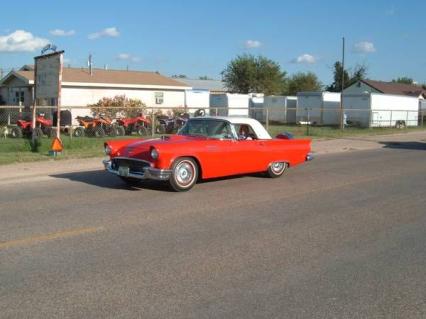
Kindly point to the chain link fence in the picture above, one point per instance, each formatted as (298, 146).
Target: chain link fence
(15, 121)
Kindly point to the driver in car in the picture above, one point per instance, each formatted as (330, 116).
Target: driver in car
(244, 132)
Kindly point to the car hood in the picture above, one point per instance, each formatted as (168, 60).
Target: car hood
(141, 149)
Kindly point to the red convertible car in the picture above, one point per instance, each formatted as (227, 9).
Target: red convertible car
(206, 147)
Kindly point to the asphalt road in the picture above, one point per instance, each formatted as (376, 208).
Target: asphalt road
(343, 236)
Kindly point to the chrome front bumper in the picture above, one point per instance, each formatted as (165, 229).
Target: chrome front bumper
(309, 157)
(148, 172)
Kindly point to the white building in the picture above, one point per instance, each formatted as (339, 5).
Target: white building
(80, 88)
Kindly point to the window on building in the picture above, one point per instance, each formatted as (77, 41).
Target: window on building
(159, 97)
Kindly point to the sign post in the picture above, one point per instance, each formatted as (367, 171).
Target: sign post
(47, 89)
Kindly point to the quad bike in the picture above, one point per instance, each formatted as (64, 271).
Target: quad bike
(169, 125)
(200, 113)
(139, 124)
(23, 128)
(97, 127)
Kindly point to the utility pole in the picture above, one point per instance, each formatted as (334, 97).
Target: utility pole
(342, 115)
(89, 62)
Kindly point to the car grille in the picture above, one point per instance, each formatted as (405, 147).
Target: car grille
(135, 166)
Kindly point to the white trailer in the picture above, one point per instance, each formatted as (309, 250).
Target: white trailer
(381, 110)
(280, 109)
(197, 99)
(256, 105)
(228, 104)
(322, 108)
(422, 112)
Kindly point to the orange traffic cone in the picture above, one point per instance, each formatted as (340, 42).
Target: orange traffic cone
(57, 146)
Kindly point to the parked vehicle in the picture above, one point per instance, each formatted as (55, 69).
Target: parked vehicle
(170, 125)
(97, 127)
(139, 124)
(23, 128)
(206, 147)
(381, 110)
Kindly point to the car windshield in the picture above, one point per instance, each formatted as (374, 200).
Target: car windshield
(207, 127)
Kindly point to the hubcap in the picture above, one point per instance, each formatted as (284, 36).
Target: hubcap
(278, 167)
(184, 173)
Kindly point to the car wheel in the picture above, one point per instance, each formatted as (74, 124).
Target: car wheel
(78, 132)
(16, 132)
(276, 169)
(184, 174)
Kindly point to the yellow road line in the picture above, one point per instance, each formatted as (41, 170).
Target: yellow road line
(42, 238)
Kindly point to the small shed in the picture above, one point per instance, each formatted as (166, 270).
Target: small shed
(319, 108)
(280, 109)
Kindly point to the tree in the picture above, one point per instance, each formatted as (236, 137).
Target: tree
(249, 74)
(403, 80)
(204, 77)
(119, 104)
(359, 73)
(300, 82)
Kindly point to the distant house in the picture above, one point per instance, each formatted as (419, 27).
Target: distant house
(80, 87)
(370, 86)
(213, 86)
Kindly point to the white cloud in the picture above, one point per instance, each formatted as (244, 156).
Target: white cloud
(128, 57)
(251, 44)
(107, 32)
(305, 59)
(21, 41)
(364, 47)
(62, 33)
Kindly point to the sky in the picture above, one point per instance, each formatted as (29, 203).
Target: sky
(199, 38)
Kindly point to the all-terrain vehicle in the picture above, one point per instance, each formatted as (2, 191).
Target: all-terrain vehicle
(97, 127)
(139, 124)
(23, 127)
(169, 125)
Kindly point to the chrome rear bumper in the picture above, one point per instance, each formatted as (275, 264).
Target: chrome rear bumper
(148, 172)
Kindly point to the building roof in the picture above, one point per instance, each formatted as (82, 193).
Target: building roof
(396, 88)
(107, 78)
(209, 85)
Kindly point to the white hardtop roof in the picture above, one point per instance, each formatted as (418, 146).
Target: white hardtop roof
(258, 128)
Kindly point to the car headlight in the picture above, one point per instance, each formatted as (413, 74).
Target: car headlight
(107, 150)
(154, 153)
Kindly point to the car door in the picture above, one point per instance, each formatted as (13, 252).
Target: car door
(215, 152)
(247, 153)
(247, 156)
